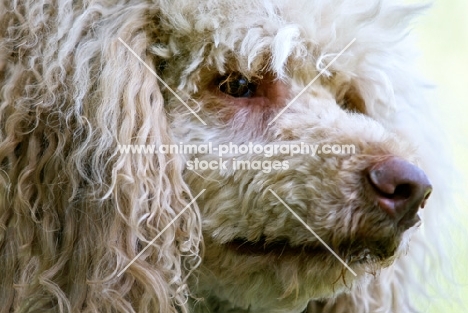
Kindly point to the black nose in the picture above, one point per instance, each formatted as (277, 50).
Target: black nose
(401, 189)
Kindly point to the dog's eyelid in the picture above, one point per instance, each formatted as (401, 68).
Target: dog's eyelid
(237, 85)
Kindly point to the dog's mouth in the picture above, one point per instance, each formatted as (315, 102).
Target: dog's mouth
(355, 252)
(278, 247)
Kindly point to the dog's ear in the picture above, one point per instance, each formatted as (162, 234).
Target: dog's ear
(76, 205)
(147, 189)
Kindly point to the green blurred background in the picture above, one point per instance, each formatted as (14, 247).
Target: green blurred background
(442, 34)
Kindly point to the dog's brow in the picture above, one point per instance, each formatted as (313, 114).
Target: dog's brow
(312, 81)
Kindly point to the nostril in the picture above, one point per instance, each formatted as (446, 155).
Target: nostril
(403, 191)
(399, 192)
(400, 188)
(426, 196)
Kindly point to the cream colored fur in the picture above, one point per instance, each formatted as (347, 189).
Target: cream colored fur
(74, 211)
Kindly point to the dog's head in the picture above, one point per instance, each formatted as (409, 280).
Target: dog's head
(279, 79)
(285, 119)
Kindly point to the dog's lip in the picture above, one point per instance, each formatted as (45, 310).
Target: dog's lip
(281, 248)
(278, 247)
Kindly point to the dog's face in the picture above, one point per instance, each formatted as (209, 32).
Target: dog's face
(242, 69)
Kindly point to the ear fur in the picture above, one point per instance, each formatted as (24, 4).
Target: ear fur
(74, 210)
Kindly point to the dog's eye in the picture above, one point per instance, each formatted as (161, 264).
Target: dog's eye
(236, 85)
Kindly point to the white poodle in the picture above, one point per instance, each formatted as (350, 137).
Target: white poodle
(226, 215)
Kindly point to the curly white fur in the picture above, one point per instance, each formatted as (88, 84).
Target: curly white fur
(74, 211)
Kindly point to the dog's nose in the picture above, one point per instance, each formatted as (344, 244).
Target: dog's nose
(401, 188)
